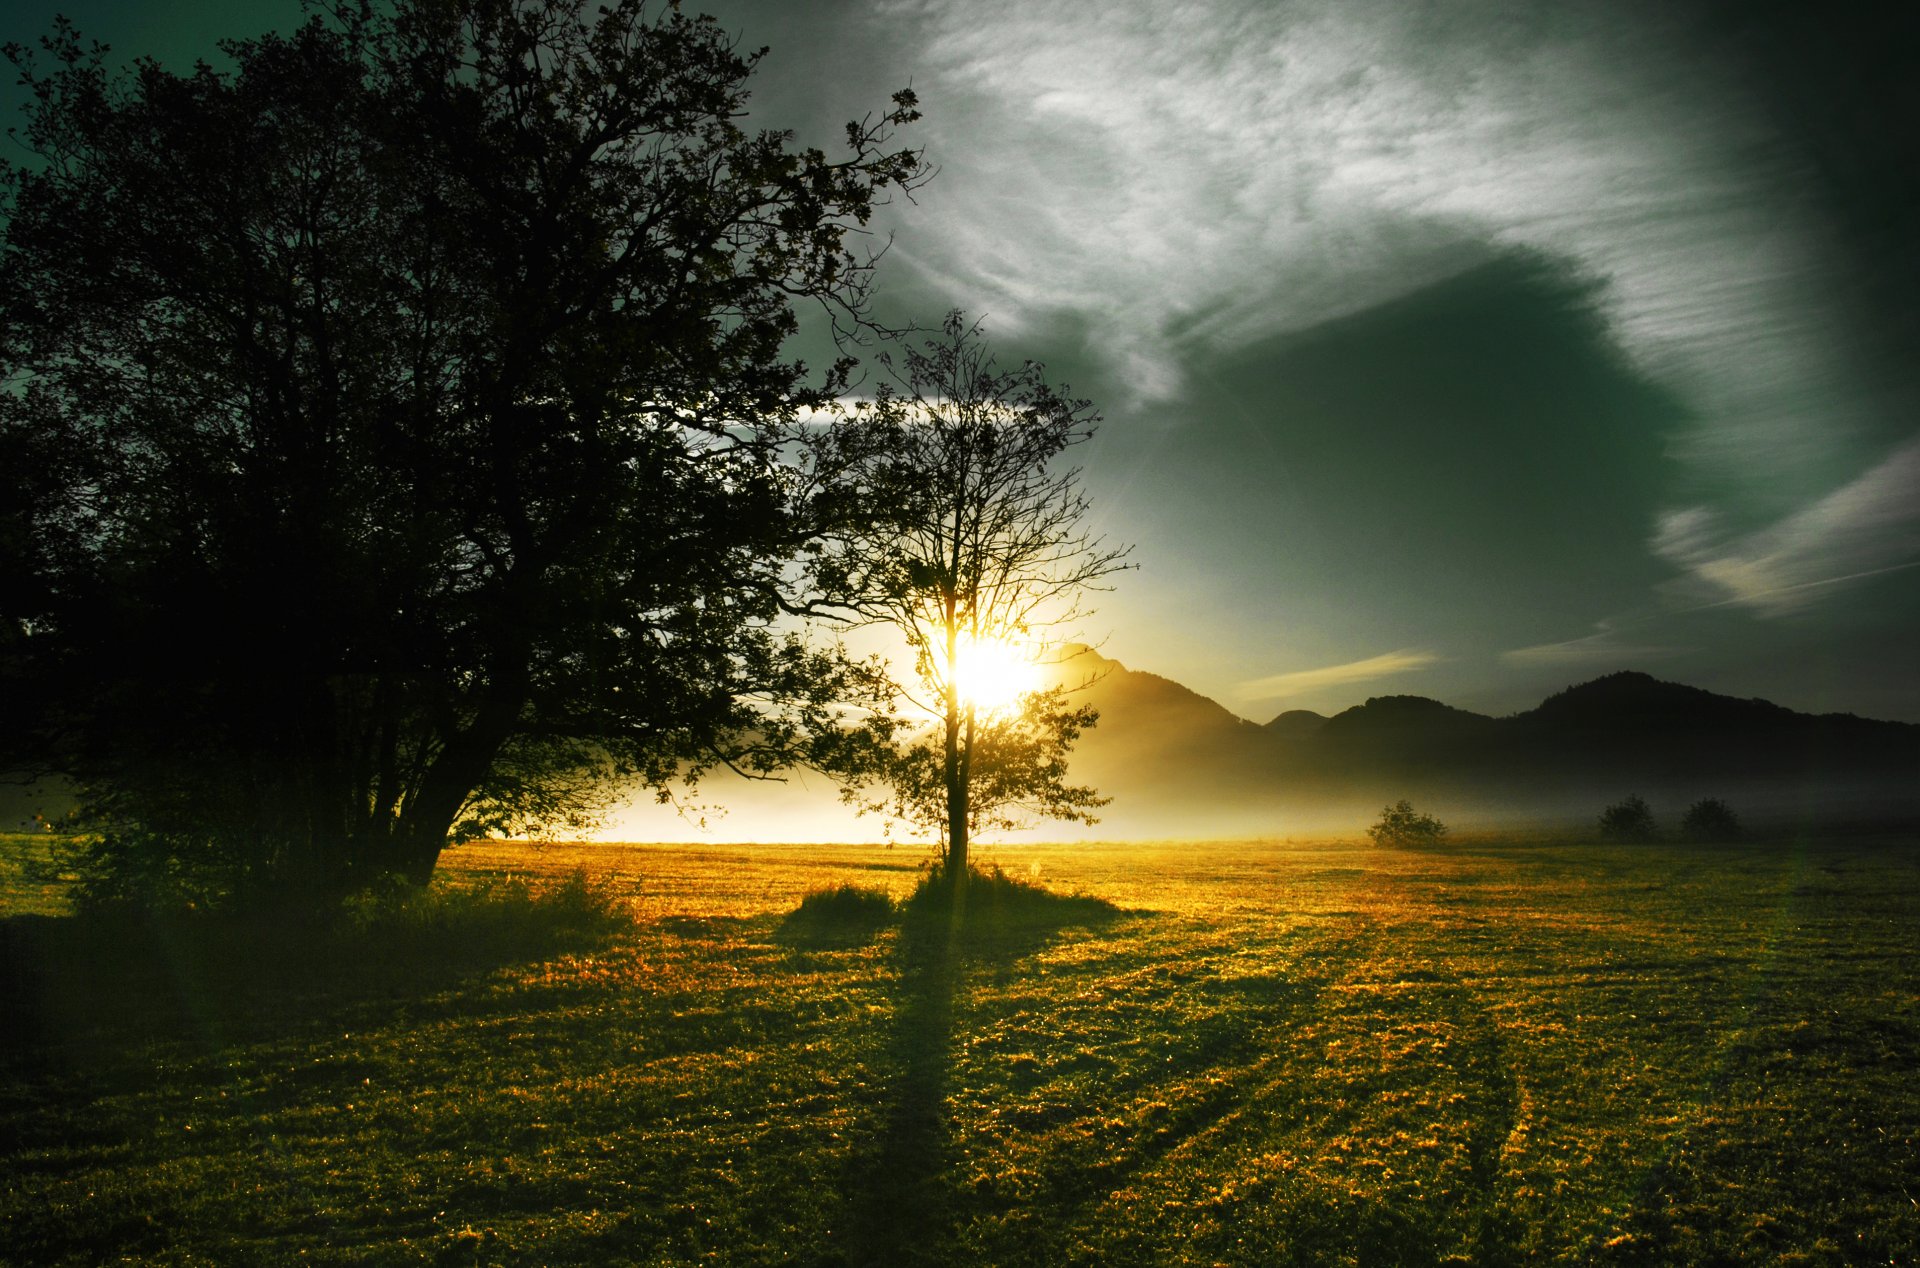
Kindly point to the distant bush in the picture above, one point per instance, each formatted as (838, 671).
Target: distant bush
(1711, 820)
(839, 913)
(1401, 824)
(1629, 820)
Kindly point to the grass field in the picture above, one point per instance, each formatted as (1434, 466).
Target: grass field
(1275, 1054)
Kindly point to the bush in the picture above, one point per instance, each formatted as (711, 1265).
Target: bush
(839, 913)
(508, 914)
(996, 901)
(136, 873)
(1711, 820)
(1401, 824)
(1629, 820)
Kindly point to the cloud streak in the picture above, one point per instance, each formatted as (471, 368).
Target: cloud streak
(1301, 681)
(1602, 647)
(1866, 528)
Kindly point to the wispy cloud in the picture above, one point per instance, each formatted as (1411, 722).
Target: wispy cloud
(1863, 529)
(1603, 646)
(1305, 680)
(1200, 175)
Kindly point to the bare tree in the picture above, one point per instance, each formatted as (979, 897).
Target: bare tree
(962, 533)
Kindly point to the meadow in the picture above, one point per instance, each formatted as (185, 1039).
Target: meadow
(1495, 1052)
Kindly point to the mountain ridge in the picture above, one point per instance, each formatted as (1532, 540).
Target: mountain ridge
(1174, 758)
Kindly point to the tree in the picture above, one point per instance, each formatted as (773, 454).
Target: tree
(1629, 820)
(1401, 824)
(1009, 767)
(959, 530)
(402, 413)
(1711, 820)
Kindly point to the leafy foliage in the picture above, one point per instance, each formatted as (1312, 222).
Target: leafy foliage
(1401, 824)
(420, 378)
(1629, 820)
(1711, 820)
(1016, 771)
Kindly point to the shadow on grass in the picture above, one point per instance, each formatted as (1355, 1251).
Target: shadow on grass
(900, 1193)
(95, 985)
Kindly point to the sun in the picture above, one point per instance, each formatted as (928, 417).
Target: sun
(993, 673)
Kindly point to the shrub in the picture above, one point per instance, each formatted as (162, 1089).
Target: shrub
(1711, 820)
(136, 873)
(1629, 820)
(839, 913)
(505, 917)
(997, 901)
(1401, 824)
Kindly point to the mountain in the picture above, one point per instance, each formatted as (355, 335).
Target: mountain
(1153, 706)
(1163, 751)
(1180, 764)
(1402, 730)
(1296, 724)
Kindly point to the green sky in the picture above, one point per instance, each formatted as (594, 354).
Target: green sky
(1464, 350)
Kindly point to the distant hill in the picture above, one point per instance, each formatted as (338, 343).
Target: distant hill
(1161, 748)
(1296, 724)
(1147, 702)
(1402, 731)
(1178, 763)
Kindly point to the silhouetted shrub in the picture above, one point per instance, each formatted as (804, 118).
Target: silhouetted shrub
(1401, 824)
(1711, 820)
(1629, 820)
(839, 913)
(135, 873)
(510, 915)
(995, 900)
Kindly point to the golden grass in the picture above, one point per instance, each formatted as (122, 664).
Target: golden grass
(1495, 1052)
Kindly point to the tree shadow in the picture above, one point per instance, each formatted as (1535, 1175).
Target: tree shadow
(900, 1193)
(84, 991)
(897, 1199)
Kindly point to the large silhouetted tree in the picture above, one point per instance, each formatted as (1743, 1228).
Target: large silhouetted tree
(393, 423)
(970, 533)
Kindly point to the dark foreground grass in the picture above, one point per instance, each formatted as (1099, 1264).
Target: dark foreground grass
(1276, 1054)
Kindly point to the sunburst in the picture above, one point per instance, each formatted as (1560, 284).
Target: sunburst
(993, 673)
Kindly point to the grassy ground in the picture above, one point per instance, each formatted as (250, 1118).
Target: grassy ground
(1311, 1054)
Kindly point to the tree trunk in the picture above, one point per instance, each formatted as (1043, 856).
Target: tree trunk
(956, 774)
(428, 817)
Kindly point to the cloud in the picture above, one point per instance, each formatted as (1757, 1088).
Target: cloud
(1603, 646)
(1865, 528)
(1189, 178)
(1383, 666)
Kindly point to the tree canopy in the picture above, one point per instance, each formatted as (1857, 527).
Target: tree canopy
(394, 422)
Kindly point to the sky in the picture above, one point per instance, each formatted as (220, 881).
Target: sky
(1466, 350)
